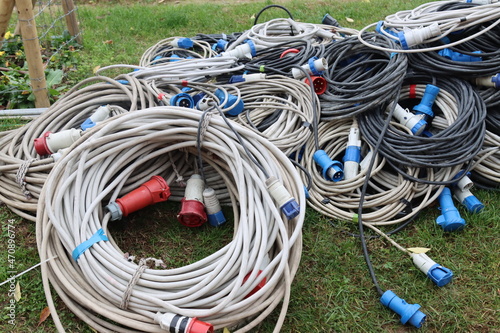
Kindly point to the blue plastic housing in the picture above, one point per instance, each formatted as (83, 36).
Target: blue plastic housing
(425, 105)
(440, 275)
(326, 163)
(216, 219)
(457, 56)
(291, 209)
(409, 313)
(183, 100)
(451, 219)
(237, 109)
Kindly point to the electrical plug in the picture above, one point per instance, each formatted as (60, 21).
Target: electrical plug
(440, 275)
(101, 114)
(411, 37)
(315, 66)
(352, 155)
(230, 101)
(425, 105)
(469, 200)
(409, 313)
(415, 123)
(172, 322)
(451, 219)
(247, 78)
(488, 81)
(183, 100)
(221, 45)
(153, 191)
(319, 84)
(246, 50)
(50, 142)
(283, 198)
(457, 56)
(192, 212)
(331, 170)
(212, 206)
(183, 43)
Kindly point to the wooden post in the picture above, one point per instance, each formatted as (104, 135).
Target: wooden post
(6, 7)
(70, 17)
(33, 52)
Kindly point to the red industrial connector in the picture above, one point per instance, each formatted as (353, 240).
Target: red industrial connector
(289, 52)
(192, 212)
(319, 84)
(154, 190)
(41, 145)
(258, 287)
(50, 143)
(172, 322)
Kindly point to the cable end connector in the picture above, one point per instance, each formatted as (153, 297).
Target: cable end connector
(412, 37)
(319, 84)
(212, 206)
(230, 102)
(288, 205)
(183, 43)
(193, 212)
(172, 322)
(329, 20)
(415, 123)
(459, 57)
(247, 78)
(101, 114)
(425, 105)
(469, 200)
(438, 274)
(409, 313)
(331, 170)
(50, 142)
(451, 219)
(183, 100)
(315, 66)
(488, 81)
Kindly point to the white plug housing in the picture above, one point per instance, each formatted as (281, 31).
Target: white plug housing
(465, 183)
(353, 154)
(194, 188)
(365, 162)
(254, 77)
(245, 50)
(312, 68)
(422, 262)
(412, 37)
(58, 155)
(282, 197)
(415, 123)
(63, 139)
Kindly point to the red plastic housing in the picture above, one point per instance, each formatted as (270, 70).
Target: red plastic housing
(198, 326)
(41, 146)
(289, 52)
(319, 84)
(154, 190)
(192, 213)
(258, 287)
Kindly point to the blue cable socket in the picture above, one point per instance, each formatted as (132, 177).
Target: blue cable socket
(440, 275)
(231, 100)
(457, 56)
(291, 208)
(88, 123)
(451, 219)
(185, 43)
(216, 219)
(331, 170)
(473, 204)
(409, 313)
(183, 100)
(425, 105)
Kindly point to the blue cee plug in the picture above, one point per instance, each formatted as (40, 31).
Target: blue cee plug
(438, 274)
(409, 313)
(425, 106)
(183, 100)
(469, 200)
(331, 170)
(288, 205)
(236, 107)
(457, 56)
(451, 219)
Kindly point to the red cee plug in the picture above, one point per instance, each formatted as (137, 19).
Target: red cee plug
(154, 190)
(319, 84)
(258, 287)
(173, 322)
(192, 212)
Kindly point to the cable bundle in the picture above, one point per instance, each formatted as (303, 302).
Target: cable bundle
(461, 120)
(359, 77)
(23, 171)
(213, 289)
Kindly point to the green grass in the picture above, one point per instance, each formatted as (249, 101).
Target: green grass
(332, 291)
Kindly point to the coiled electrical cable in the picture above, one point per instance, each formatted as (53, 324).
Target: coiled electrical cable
(360, 78)
(461, 120)
(213, 289)
(23, 171)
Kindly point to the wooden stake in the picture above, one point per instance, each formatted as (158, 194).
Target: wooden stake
(70, 17)
(6, 7)
(33, 52)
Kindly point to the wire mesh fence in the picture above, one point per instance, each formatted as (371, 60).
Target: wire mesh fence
(59, 36)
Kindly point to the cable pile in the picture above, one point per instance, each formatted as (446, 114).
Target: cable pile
(71, 211)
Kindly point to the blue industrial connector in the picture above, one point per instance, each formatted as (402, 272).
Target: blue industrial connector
(315, 66)
(489, 81)
(215, 215)
(409, 313)
(247, 77)
(425, 105)
(232, 102)
(415, 123)
(457, 56)
(102, 113)
(469, 200)
(451, 219)
(183, 43)
(331, 170)
(183, 100)
(440, 275)
(221, 45)
(288, 205)
(352, 155)
(380, 29)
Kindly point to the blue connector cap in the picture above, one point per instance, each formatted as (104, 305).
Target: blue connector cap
(291, 209)
(221, 45)
(352, 154)
(237, 109)
(471, 203)
(183, 100)
(451, 219)
(216, 219)
(184, 43)
(379, 28)
(440, 275)
(237, 79)
(409, 313)
(419, 127)
(457, 56)
(425, 106)
(88, 123)
(331, 170)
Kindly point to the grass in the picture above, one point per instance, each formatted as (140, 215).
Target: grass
(332, 291)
